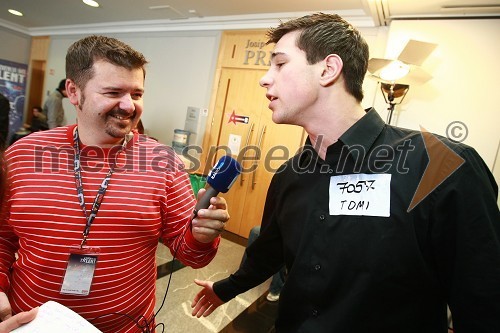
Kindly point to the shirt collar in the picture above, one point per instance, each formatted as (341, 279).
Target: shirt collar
(363, 133)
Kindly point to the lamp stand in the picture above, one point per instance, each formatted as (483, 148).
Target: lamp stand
(390, 100)
(393, 91)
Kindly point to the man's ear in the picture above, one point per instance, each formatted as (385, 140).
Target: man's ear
(332, 68)
(73, 92)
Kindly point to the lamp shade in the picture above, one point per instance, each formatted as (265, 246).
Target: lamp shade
(406, 69)
(398, 90)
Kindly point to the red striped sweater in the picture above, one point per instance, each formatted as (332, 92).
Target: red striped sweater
(148, 198)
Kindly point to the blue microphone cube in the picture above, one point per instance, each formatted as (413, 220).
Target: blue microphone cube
(224, 173)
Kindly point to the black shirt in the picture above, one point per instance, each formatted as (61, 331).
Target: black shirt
(394, 273)
(4, 121)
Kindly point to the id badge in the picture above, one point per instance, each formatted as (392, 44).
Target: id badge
(79, 270)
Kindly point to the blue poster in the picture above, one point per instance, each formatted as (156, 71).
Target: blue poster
(13, 86)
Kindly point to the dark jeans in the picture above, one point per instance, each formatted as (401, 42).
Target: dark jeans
(279, 278)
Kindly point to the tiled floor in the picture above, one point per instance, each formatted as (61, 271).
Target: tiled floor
(249, 312)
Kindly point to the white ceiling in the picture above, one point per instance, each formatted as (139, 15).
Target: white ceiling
(59, 15)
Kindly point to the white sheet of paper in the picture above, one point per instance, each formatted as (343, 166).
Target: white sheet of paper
(360, 194)
(234, 144)
(53, 317)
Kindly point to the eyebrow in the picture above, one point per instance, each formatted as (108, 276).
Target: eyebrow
(275, 54)
(121, 89)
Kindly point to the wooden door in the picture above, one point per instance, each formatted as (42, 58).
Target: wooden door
(36, 87)
(277, 143)
(248, 133)
(242, 127)
(38, 59)
(238, 108)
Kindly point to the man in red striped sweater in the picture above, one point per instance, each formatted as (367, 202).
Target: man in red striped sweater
(86, 204)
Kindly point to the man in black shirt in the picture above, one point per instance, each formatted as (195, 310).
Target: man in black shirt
(380, 228)
(4, 121)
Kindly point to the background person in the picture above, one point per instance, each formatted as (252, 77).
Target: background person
(391, 266)
(53, 106)
(4, 121)
(38, 120)
(88, 203)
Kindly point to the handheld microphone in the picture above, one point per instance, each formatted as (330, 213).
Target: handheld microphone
(219, 179)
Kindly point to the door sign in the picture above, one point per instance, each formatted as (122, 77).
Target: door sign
(234, 118)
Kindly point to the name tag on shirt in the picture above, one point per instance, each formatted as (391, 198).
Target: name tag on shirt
(79, 271)
(360, 194)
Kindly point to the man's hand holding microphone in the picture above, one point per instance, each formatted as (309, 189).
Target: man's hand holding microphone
(210, 209)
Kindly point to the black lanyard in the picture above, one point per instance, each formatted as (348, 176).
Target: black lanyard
(79, 188)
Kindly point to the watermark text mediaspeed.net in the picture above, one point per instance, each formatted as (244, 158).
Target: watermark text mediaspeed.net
(383, 158)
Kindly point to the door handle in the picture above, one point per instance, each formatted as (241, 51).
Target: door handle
(246, 145)
(259, 150)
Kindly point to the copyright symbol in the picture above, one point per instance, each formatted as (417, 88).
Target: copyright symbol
(457, 131)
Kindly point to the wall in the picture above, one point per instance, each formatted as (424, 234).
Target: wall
(496, 169)
(377, 40)
(15, 46)
(466, 79)
(464, 85)
(179, 74)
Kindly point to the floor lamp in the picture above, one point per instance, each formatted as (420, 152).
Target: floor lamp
(391, 92)
(396, 75)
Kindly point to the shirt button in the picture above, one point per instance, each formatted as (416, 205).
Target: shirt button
(322, 217)
(317, 267)
(314, 313)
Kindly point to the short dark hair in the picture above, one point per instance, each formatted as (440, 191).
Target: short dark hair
(323, 34)
(83, 53)
(62, 85)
